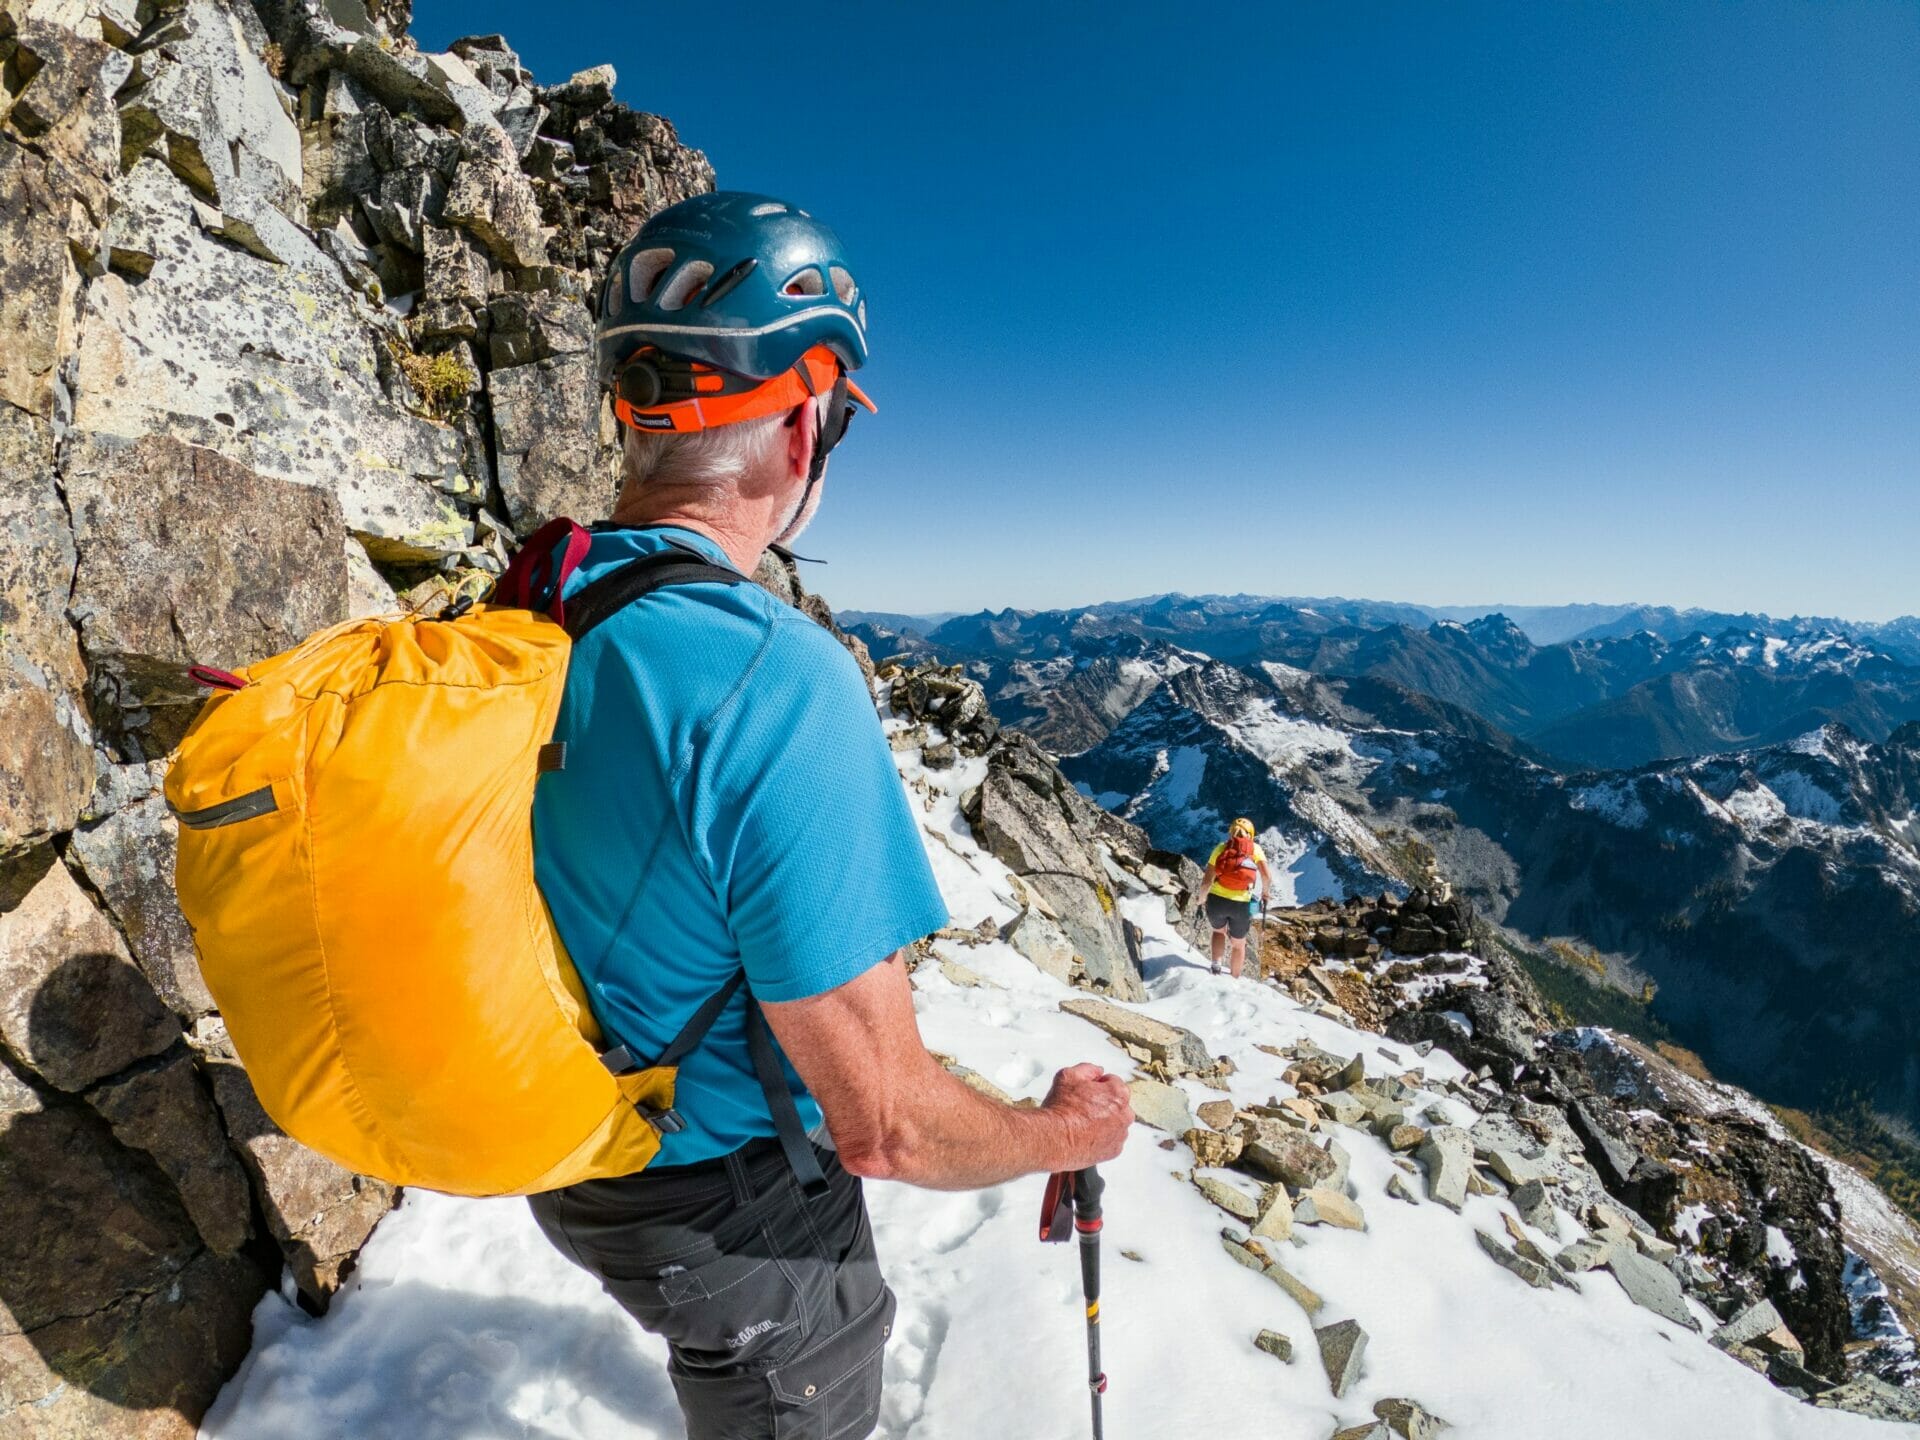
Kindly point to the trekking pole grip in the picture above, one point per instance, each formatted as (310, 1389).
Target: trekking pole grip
(1088, 1187)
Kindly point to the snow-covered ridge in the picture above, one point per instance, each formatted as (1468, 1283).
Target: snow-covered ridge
(462, 1321)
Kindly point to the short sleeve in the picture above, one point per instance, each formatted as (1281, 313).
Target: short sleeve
(803, 822)
(1214, 858)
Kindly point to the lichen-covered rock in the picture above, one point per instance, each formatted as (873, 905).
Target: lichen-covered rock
(491, 198)
(73, 1006)
(553, 441)
(188, 557)
(320, 1212)
(46, 750)
(279, 367)
(1024, 814)
(208, 105)
(128, 858)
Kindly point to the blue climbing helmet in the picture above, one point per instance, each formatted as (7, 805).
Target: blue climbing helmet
(727, 307)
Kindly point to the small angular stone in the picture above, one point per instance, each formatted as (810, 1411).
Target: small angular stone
(1216, 1113)
(1285, 1154)
(1534, 1274)
(1275, 1221)
(1160, 1105)
(1342, 1346)
(1536, 1207)
(1653, 1247)
(1448, 1155)
(1235, 1202)
(1321, 1206)
(1403, 1138)
(1409, 1420)
(1210, 1147)
(1650, 1285)
(1275, 1344)
(1581, 1255)
(1749, 1325)
(1398, 1188)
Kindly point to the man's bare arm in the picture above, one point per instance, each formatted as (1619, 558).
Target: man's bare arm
(896, 1114)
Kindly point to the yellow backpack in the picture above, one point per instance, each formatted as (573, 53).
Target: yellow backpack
(356, 861)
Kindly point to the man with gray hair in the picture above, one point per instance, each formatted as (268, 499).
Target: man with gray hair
(728, 855)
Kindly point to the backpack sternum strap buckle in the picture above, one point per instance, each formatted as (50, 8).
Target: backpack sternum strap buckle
(667, 1122)
(619, 1060)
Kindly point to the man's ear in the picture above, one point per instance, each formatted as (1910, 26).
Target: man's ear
(802, 430)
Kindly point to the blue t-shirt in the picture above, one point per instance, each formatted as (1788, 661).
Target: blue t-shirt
(728, 800)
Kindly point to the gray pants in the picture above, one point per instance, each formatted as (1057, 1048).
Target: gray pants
(772, 1306)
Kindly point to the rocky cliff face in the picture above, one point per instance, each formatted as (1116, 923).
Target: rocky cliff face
(292, 316)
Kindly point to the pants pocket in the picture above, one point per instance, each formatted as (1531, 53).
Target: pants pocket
(724, 1311)
(831, 1390)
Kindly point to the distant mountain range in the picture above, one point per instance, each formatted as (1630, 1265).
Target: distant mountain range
(1542, 624)
(1772, 895)
(1732, 814)
(1635, 688)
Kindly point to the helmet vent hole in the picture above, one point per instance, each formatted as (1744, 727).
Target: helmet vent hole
(771, 207)
(687, 279)
(843, 285)
(644, 272)
(805, 282)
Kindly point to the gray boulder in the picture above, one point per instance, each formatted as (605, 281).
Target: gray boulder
(73, 1006)
(116, 1318)
(1181, 1051)
(276, 366)
(166, 1112)
(554, 442)
(187, 557)
(1447, 1154)
(320, 1212)
(1650, 1285)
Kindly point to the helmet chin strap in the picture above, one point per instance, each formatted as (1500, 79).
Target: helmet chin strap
(830, 424)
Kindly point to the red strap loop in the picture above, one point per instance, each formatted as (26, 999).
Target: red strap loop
(536, 577)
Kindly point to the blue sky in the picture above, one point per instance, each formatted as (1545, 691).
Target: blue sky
(1528, 303)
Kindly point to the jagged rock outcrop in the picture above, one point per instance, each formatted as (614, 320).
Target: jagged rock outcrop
(294, 319)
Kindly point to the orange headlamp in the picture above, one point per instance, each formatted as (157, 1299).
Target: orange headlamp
(664, 394)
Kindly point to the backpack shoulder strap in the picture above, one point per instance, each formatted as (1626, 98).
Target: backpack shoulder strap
(596, 603)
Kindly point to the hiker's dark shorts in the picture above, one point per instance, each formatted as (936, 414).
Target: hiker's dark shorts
(772, 1306)
(1233, 916)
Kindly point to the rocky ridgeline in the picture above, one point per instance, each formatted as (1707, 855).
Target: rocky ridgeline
(1610, 1162)
(1071, 859)
(293, 317)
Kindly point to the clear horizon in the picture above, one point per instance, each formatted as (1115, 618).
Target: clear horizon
(1546, 301)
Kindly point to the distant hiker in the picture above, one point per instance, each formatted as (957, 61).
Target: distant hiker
(1231, 872)
(728, 807)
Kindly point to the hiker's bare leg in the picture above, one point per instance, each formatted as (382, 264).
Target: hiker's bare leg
(1239, 957)
(1219, 946)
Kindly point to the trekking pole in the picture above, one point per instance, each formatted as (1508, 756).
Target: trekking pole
(1072, 1205)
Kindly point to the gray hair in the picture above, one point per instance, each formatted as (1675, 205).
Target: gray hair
(712, 458)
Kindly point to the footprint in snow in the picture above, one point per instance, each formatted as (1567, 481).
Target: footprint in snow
(1018, 1073)
(911, 1361)
(959, 1220)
